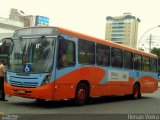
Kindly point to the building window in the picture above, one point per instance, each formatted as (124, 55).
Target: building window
(86, 52)
(102, 55)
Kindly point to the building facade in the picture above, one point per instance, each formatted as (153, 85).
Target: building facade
(17, 15)
(28, 20)
(122, 29)
(7, 27)
(14, 14)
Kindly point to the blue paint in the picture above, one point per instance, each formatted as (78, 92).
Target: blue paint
(132, 73)
(30, 79)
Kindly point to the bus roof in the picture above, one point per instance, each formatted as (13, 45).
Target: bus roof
(107, 42)
(94, 39)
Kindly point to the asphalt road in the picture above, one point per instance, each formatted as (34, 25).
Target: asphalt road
(148, 104)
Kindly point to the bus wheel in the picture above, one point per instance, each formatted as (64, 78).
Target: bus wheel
(82, 94)
(136, 91)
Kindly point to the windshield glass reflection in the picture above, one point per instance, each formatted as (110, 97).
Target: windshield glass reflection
(35, 53)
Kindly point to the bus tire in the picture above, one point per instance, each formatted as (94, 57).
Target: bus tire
(81, 94)
(136, 91)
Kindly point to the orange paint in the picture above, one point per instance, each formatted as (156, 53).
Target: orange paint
(71, 80)
(106, 42)
(42, 92)
(148, 84)
(65, 86)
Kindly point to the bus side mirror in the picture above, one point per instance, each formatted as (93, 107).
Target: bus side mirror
(7, 43)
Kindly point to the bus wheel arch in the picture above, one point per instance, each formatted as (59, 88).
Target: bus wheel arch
(136, 90)
(82, 92)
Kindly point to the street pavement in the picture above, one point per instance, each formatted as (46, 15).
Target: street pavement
(149, 103)
(109, 108)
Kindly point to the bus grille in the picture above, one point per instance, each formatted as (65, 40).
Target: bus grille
(24, 84)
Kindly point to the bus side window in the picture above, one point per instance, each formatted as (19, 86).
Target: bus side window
(66, 53)
(116, 57)
(86, 52)
(102, 55)
(146, 63)
(153, 65)
(137, 62)
(128, 60)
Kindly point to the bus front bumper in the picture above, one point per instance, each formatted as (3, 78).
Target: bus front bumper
(41, 92)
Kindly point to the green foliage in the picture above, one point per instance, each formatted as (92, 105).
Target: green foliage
(156, 51)
(141, 49)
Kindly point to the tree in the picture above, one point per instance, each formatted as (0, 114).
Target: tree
(141, 49)
(156, 51)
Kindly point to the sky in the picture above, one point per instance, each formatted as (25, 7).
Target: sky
(89, 16)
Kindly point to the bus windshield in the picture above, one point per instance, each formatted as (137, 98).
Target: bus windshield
(35, 52)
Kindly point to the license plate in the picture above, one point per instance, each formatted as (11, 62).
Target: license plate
(21, 92)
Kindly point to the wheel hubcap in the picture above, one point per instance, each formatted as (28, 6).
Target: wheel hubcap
(136, 92)
(81, 94)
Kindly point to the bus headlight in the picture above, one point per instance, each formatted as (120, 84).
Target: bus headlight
(46, 79)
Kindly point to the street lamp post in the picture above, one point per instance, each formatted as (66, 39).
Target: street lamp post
(145, 33)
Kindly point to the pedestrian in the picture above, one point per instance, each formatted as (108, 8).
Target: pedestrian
(2, 75)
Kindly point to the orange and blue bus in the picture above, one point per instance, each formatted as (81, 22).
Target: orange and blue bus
(53, 63)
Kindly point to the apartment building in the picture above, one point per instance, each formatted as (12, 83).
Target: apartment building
(122, 29)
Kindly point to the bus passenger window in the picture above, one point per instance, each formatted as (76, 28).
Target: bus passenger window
(137, 62)
(128, 60)
(116, 57)
(153, 65)
(146, 63)
(66, 53)
(102, 55)
(86, 52)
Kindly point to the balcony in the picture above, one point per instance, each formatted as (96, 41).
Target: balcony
(118, 25)
(117, 40)
(117, 29)
(118, 21)
(115, 33)
(117, 37)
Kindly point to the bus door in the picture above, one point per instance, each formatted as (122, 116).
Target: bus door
(65, 67)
